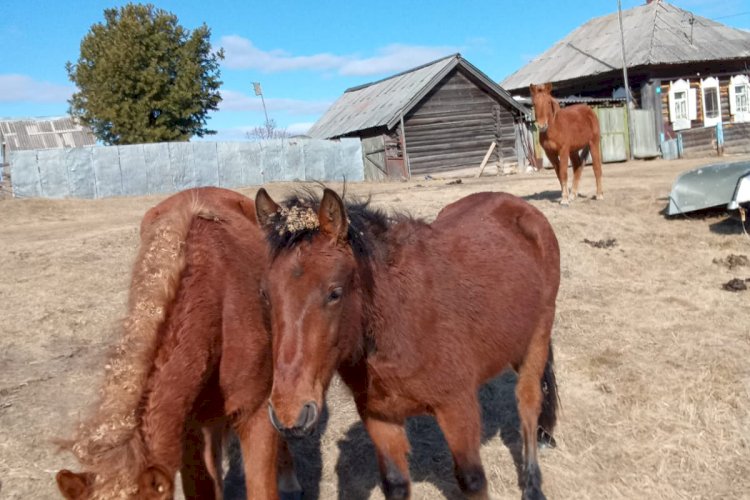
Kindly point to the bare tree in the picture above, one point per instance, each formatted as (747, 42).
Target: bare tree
(269, 130)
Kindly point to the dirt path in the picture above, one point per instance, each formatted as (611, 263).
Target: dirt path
(651, 352)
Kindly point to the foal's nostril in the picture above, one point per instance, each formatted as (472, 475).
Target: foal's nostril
(308, 416)
(274, 419)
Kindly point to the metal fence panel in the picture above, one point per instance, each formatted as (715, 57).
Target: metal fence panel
(205, 163)
(134, 170)
(157, 168)
(80, 173)
(24, 174)
(181, 165)
(52, 173)
(168, 167)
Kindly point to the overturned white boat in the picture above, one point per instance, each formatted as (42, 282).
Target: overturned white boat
(717, 185)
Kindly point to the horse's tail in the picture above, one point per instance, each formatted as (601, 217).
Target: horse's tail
(550, 401)
(106, 440)
(584, 153)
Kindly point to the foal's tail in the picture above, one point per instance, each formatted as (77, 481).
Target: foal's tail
(584, 153)
(550, 402)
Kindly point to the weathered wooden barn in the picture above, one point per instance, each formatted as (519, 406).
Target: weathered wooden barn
(442, 116)
(21, 134)
(690, 73)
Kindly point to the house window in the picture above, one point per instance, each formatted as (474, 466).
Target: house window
(711, 102)
(682, 108)
(739, 98)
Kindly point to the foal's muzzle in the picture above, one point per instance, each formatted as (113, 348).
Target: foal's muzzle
(542, 128)
(306, 421)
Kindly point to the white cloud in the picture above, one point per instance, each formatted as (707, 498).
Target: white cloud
(242, 54)
(237, 101)
(299, 128)
(393, 59)
(22, 88)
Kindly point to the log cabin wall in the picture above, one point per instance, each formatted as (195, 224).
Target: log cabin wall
(454, 126)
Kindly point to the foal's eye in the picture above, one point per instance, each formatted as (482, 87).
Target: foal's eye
(334, 295)
(263, 295)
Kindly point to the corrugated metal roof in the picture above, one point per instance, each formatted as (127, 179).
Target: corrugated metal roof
(655, 33)
(44, 133)
(382, 103)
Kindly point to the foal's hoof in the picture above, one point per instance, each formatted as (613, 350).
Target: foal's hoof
(533, 493)
(291, 495)
(564, 203)
(599, 197)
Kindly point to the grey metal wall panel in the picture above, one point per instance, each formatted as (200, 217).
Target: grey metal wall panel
(53, 174)
(206, 164)
(229, 161)
(157, 168)
(134, 170)
(80, 172)
(330, 161)
(107, 172)
(24, 174)
(165, 168)
(181, 165)
(294, 158)
(276, 164)
(251, 158)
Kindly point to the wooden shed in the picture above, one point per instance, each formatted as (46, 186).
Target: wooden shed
(442, 116)
(688, 75)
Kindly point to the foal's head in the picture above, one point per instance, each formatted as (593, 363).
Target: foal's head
(152, 484)
(312, 304)
(545, 106)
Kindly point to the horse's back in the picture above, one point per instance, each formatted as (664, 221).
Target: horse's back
(519, 221)
(195, 199)
(482, 275)
(582, 119)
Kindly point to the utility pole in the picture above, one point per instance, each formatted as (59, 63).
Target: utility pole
(625, 77)
(259, 91)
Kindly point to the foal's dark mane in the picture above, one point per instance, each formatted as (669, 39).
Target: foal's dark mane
(366, 224)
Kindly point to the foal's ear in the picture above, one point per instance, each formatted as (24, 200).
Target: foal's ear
(74, 486)
(532, 88)
(265, 207)
(332, 216)
(155, 484)
(547, 87)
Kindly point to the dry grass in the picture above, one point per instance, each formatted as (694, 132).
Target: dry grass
(651, 352)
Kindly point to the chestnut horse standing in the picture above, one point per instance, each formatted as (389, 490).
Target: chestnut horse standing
(563, 132)
(415, 317)
(194, 358)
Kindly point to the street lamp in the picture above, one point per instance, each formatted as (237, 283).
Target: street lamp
(259, 91)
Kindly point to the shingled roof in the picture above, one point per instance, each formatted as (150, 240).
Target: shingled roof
(655, 33)
(43, 133)
(384, 102)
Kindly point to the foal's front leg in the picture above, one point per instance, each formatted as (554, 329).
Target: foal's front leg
(460, 421)
(392, 447)
(259, 443)
(563, 175)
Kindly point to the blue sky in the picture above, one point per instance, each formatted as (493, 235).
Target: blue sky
(305, 54)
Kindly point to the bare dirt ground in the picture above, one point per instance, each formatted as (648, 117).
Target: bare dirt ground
(652, 354)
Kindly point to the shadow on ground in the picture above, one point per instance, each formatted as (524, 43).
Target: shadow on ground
(430, 458)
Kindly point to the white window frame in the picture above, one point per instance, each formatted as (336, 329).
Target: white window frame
(710, 83)
(739, 106)
(682, 100)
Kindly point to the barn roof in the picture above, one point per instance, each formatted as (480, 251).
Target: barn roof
(655, 33)
(44, 133)
(384, 102)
